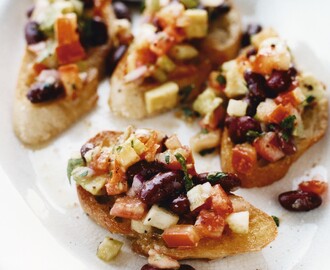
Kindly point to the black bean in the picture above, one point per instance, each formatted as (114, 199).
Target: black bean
(299, 200)
(43, 92)
(251, 29)
(121, 10)
(161, 187)
(180, 205)
(94, 32)
(33, 34)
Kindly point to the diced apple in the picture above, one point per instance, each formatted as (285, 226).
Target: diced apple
(207, 102)
(183, 52)
(203, 141)
(239, 222)
(126, 155)
(198, 195)
(160, 218)
(173, 142)
(129, 207)
(310, 86)
(139, 227)
(268, 147)
(264, 109)
(235, 83)
(181, 236)
(161, 261)
(69, 75)
(294, 97)
(237, 107)
(244, 157)
(257, 39)
(197, 23)
(109, 249)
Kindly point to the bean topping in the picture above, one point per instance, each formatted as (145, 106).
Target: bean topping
(33, 34)
(299, 201)
(251, 29)
(279, 81)
(42, 92)
(180, 205)
(121, 10)
(30, 11)
(93, 32)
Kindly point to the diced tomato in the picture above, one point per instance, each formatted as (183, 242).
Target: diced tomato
(69, 75)
(38, 67)
(100, 163)
(177, 33)
(162, 43)
(244, 157)
(144, 56)
(70, 53)
(268, 147)
(316, 186)
(213, 122)
(209, 224)
(221, 204)
(129, 207)
(279, 114)
(151, 147)
(117, 184)
(183, 70)
(294, 97)
(181, 236)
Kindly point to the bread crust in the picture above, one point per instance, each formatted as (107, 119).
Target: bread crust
(315, 122)
(262, 228)
(35, 124)
(127, 99)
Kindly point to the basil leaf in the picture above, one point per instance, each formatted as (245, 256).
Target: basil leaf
(252, 134)
(72, 164)
(185, 92)
(288, 122)
(276, 220)
(215, 177)
(187, 180)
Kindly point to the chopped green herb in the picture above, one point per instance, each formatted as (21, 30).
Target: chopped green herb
(221, 79)
(215, 177)
(110, 174)
(252, 134)
(119, 148)
(285, 136)
(72, 164)
(188, 181)
(204, 131)
(288, 122)
(132, 143)
(190, 3)
(143, 5)
(276, 220)
(185, 92)
(167, 158)
(310, 99)
(187, 112)
(206, 151)
(83, 174)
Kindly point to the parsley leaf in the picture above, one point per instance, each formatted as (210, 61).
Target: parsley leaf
(215, 177)
(187, 180)
(221, 79)
(288, 122)
(185, 92)
(252, 134)
(204, 131)
(276, 220)
(167, 158)
(310, 99)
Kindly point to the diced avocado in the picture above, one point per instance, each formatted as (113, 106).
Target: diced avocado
(236, 107)
(235, 83)
(108, 249)
(165, 63)
(126, 155)
(160, 218)
(183, 52)
(206, 102)
(310, 86)
(162, 97)
(159, 75)
(197, 23)
(138, 226)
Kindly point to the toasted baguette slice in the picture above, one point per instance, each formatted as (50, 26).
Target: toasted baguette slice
(315, 122)
(35, 124)
(221, 44)
(262, 229)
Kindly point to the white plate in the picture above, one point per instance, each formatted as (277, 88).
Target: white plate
(40, 175)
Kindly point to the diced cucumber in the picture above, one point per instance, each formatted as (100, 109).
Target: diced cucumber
(206, 102)
(160, 218)
(165, 63)
(108, 249)
(183, 52)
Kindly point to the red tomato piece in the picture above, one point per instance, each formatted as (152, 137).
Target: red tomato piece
(209, 224)
(279, 114)
(38, 67)
(117, 184)
(316, 186)
(70, 53)
(288, 98)
(181, 236)
(244, 157)
(221, 203)
(129, 207)
(268, 147)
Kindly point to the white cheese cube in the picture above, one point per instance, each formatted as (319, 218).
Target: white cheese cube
(139, 227)
(237, 107)
(198, 195)
(239, 222)
(162, 97)
(160, 218)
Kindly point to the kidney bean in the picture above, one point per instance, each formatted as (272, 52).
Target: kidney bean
(145, 169)
(30, 11)
(161, 187)
(94, 32)
(279, 81)
(42, 92)
(239, 126)
(33, 34)
(88, 3)
(251, 29)
(114, 57)
(180, 205)
(182, 267)
(299, 201)
(121, 10)
(228, 181)
(84, 149)
(287, 146)
(251, 52)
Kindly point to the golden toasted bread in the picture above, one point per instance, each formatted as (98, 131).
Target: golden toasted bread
(221, 44)
(35, 124)
(262, 229)
(315, 123)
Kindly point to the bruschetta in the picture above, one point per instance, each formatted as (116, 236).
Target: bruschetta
(67, 42)
(143, 184)
(172, 55)
(271, 112)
